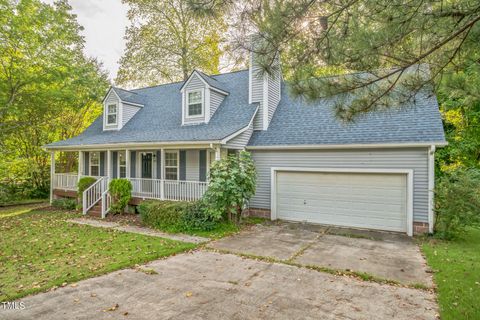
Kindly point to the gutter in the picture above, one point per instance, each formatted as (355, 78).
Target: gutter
(129, 145)
(348, 146)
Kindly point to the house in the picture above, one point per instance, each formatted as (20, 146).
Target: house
(374, 173)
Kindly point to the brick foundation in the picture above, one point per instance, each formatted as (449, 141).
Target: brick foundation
(257, 212)
(58, 193)
(420, 227)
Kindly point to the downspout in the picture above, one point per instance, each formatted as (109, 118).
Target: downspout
(431, 187)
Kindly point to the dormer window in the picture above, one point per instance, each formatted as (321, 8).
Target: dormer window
(112, 114)
(195, 103)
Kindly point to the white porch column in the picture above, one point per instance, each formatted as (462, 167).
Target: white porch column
(162, 176)
(52, 174)
(109, 164)
(127, 163)
(81, 161)
(208, 163)
(217, 153)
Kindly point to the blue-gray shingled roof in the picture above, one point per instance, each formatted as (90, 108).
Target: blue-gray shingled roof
(129, 96)
(296, 122)
(160, 120)
(212, 82)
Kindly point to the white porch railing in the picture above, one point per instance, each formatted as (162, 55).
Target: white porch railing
(184, 190)
(141, 188)
(65, 181)
(106, 201)
(94, 193)
(168, 189)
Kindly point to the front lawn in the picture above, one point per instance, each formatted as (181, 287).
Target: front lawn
(457, 275)
(40, 250)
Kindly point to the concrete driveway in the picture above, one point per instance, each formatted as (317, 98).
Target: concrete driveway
(382, 255)
(209, 285)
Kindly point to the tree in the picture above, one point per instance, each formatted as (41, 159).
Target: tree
(166, 42)
(48, 89)
(393, 37)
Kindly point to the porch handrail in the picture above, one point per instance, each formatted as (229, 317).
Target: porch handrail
(176, 190)
(106, 201)
(93, 194)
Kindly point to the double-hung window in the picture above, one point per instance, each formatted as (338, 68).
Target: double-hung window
(112, 114)
(122, 164)
(195, 103)
(94, 164)
(171, 165)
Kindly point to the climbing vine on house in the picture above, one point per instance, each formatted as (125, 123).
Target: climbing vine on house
(232, 183)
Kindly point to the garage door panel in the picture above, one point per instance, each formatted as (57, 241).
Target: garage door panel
(365, 200)
(396, 198)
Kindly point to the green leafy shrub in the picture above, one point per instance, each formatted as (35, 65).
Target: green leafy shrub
(121, 193)
(196, 218)
(457, 202)
(232, 184)
(83, 184)
(163, 215)
(65, 203)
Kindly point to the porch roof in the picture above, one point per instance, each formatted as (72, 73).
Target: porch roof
(160, 120)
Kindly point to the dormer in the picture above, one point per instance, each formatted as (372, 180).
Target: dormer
(119, 106)
(201, 96)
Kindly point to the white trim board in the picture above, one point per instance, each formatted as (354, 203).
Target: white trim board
(407, 172)
(349, 146)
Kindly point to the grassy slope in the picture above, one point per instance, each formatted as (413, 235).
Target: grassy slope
(457, 266)
(40, 250)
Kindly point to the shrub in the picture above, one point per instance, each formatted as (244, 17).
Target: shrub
(163, 215)
(196, 218)
(232, 184)
(66, 204)
(83, 184)
(457, 202)
(121, 192)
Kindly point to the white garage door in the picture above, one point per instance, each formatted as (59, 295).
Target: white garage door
(363, 200)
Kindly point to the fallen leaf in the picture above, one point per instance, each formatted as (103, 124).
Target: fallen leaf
(188, 294)
(115, 307)
(73, 285)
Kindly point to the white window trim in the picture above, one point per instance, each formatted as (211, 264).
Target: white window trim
(90, 163)
(187, 104)
(407, 172)
(177, 152)
(117, 113)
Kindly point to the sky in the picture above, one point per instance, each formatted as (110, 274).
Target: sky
(104, 23)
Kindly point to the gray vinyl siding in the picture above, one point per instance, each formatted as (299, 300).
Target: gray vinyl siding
(258, 120)
(111, 99)
(240, 141)
(192, 165)
(412, 158)
(273, 93)
(215, 101)
(128, 111)
(195, 84)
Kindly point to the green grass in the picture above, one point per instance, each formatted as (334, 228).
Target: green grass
(20, 202)
(40, 250)
(21, 209)
(457, 275)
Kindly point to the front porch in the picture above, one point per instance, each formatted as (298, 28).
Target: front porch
(163, 174)
(65, 184)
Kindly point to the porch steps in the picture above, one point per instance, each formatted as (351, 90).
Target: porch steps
(96, 210)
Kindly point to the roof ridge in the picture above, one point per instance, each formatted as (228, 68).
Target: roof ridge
(177, 82)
